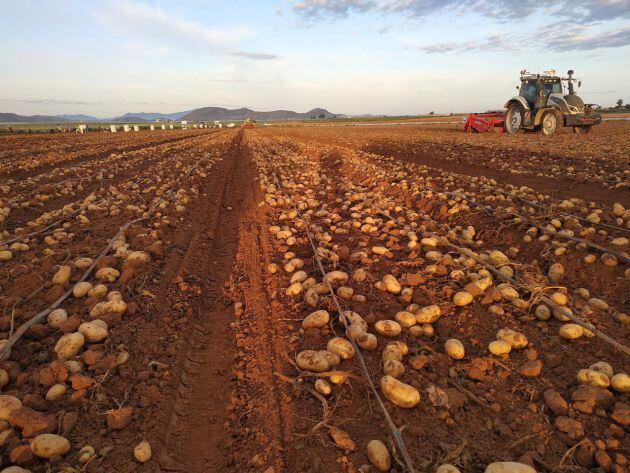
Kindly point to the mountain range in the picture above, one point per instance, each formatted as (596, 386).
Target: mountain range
(199, 114)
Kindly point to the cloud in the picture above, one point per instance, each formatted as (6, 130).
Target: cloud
(578, 40)
(493, 43)
(582, 12)
(51, 101)
(126, 17)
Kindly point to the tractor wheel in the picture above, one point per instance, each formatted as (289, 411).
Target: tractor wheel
(549, 123)
(582, 129)
(514, 118)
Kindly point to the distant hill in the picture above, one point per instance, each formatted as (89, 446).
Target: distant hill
(79, 118)
(152, 116)
(224, 114)
(127, 119)
(15, 118)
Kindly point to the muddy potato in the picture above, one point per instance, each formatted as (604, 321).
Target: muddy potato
(5, 255)
(379, 455)
(69, 345)
(294, 289)
(142, 452)
(98, 291)
(391, 284)
(316, 319)
(620, 383)
(367, 341)
(15, 469)
(298, 276)
(82, 263)
(8, 404)
(405, 319)
(509, 467)
(352, 318)
(393, 368)
(4, 378)
(49, 445)
(345, 292)
(337, 278)
(593, 378)
(399, 393)
(462, 298)
(515, 339)
(354, 331)
(429, 314)
(560, 313)
(542, 312)
(392, 352)
(62, 276)
(86, 454)
(81, 289)
(447, 468)
(311, 298)
(56, 318)
(556, 273)
(95, 331)
(559, 298)
(571, 331)
(311, 360)
(498, 258)
(340, 347)
(499, 347)
(388, 328)
(323, 387)
(110, 307)
(454, 349)
(107, 274)
(359, 275)
(56, 392)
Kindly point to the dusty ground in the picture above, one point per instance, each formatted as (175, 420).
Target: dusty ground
(201, 360)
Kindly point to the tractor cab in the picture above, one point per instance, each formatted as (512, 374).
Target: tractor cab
(536, 89)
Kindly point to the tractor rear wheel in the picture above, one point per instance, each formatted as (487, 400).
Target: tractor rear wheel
(514, 118)
(582, 129)
(549, 123)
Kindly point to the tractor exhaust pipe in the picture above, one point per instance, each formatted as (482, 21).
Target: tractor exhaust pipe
(570, 81)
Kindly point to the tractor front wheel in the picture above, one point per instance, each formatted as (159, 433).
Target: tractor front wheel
(549, 123)
(514, 118)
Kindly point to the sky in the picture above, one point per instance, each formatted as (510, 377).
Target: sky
(395, 57)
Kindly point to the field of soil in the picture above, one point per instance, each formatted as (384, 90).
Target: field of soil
(315, 299)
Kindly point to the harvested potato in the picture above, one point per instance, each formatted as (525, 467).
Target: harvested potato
(332, 358)
(142, 452)
(335, 278)
(499, 347)
(429, 314)
(447, 468)
(110, 307)
(620, 383)
(82, 263)
(4, 378)
(497, 258)
(388, 328)
(81, 289)
(340, 347)
(56, 318)
(462, 298)
(95, 331)
(556, 273)
(455, 349)
(593, 378)
(86, 454)
(393, 368)
(107, 274)
(49, 445)
(602, 367)
(379, 455)
(405, 319)
(542, 312)
(323, 387)
(399, 393)
(62, 276)
(571, 331)
(515, 339)
(311, 360)
(392, 352)
(98, 291)
(509, 467)
(8, 404)
(294, 289)
(367, 341)
(5, 255)
(56, 392)
(316, 319)
(391, 284)
(69, 345)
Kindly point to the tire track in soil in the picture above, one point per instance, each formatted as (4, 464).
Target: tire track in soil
(196, 435)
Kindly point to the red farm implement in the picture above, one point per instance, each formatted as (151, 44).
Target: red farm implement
(485, 122)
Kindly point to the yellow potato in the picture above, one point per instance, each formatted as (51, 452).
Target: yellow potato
(69, 345)
(499, 347)
(94, 332)
(428, 315)
(405, 319)
(593, 378)
(391, 284)
(399, 393)
(340, 347)
(49, 445)
(142, 452)
(8, 404)
(620, 383)
(455, 349)
(311, 360)
(316, 319)
(388, 328)
(367, 341)
(62, 276)
(515, 339)
(393, 368)
(571, 331)
(379, 455)
(462, 298)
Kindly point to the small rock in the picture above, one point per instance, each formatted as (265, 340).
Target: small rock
(119, 418)
(621, 413)
(531, 369)
(555, 402)
(572, 428)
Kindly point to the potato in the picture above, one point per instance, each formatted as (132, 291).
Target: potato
(49, 445)
(405, 319)
(447, 468)
(4, 378)
(83, 263)
(392, 352)
(515, 339)
(8, 404)
(98, 291)
(340, 347)
(332, 358)
(379, 455)
(336, 278)
(462, 298)
(354, 331)
(359, 275)
(137, 259)
(86, 454)
(498, 258)
(69, 345)
(402, 346)
(499, 347)
(354, 318)
(323, 387)
(508, 292)
(556, 273)
(142, 452)
(593, 378)
(509, 467)
(602, 367)
(316, 319)
(542, 312)
(311, 360)
(620, 383)
(388, 328)
(62, 276)
(56, 392)
(429, 314)
(571, 331)
(56, 317)
(560, 313)
(391, 284)
(107, 274)
(399, 393)
(393, 368)
(455, 349)
(294, 289)
(95, 331)
(299, 276)
(81, 289)
(15, 469)
(559, 298)
(109, 307)
(367, 341)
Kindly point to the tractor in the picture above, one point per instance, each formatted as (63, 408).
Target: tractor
(541, 103)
